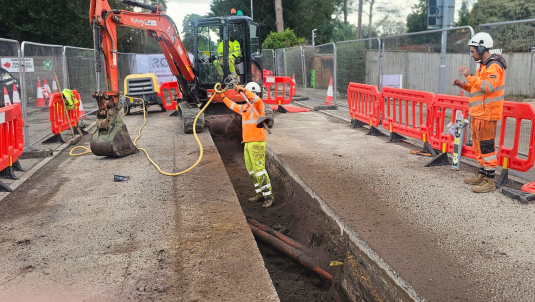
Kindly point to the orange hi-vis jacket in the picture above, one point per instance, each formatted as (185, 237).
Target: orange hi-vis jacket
(487, 89)
(250, 132)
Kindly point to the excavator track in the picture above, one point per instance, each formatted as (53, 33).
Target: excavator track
(188, 114)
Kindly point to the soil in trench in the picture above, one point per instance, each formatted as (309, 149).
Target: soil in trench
(292, 281)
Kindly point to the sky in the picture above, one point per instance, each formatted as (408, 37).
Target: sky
(178, 9)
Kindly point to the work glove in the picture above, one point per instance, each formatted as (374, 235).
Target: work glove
(240, 89)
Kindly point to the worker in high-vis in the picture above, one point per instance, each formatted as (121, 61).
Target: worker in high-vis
(234, 52)
(254, 140)
(487, 88)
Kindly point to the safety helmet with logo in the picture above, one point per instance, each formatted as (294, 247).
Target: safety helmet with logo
(253, 87)
(482, 42)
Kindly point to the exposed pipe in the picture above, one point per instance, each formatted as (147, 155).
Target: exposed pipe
(278, 235)
(290, 252)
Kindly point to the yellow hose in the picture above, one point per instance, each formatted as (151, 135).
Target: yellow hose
(216, 88)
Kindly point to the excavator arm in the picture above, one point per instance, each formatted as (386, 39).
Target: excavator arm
(104, 21)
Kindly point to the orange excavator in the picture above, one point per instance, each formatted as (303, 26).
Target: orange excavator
(195, 79)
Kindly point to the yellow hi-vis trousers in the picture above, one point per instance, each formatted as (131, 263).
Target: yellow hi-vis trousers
(255, 155)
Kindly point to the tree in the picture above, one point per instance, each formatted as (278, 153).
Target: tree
(488, 11)
(417, 19)
(278, 16)
(287, 38)
(463, 14)
(188, 45)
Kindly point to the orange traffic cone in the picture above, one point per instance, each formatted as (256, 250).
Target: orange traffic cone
(54, 87)
(329, 97)
(40, 101)
(294, 87)
(81, 111)
(16, 96)
(45, 84)
(7, 102)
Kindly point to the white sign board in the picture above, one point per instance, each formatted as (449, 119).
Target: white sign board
(12, 64)
(155, 64)
(393, 80)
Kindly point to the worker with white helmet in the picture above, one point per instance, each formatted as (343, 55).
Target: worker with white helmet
(254, 139)
(486, 89)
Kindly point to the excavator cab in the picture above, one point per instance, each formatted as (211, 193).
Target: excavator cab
(225, 46)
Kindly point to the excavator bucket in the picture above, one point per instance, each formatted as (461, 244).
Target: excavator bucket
(115, 142)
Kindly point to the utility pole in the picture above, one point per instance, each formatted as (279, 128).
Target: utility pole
(251, 9)
(313, 35)
(345, 12)
(360, 19)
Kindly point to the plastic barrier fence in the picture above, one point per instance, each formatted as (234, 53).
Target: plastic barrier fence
(406, 112)
(58, 117)
(442, 112)
(169, 93)
(508, 157)
(278, 90)
(364, 103)
(11, 135)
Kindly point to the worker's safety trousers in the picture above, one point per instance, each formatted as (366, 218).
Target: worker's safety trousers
(483, 134)
(255, 155)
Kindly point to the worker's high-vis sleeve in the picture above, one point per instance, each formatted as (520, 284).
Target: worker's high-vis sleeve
(488, 81)
(234, 107)
(466, 86)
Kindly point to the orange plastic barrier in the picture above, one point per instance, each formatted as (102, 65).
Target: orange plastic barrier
(266, 73)
(508, 157)
(58, 117)
(279, 90)
(406, 111)
(439, 111)
(166, 93)
(11, 135)
(364, 103)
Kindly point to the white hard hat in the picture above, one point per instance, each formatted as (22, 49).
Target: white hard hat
(481, 39)
(253, 87)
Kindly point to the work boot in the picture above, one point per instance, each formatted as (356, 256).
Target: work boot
(487, 185)
(256, 198)
(268, 203)
(474, 180)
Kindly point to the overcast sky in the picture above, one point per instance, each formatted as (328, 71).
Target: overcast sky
(178, 9)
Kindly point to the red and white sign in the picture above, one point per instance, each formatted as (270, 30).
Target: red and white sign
(12, 64)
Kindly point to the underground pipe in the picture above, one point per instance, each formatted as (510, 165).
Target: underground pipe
(290, 252)
(279, 236)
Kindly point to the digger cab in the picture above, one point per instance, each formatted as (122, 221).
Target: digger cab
(215, 51)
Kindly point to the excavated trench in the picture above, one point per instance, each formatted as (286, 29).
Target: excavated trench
(299, 214)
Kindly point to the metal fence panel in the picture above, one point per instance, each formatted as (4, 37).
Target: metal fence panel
(268, 59)
(416, 57)
(280, 62)
(10, 49)
(126, 63)
(294, 65)
(353, 63)
(47, 60)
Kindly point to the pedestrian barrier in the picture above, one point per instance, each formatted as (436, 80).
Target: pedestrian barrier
(508, 157)
(364, 103)
(58, 117)
(406, 112)
(11, 142)
(266, 73)
(166, 93)
(279, 90)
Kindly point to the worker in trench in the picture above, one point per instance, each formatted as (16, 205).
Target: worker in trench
(254, 140)
(486, 89)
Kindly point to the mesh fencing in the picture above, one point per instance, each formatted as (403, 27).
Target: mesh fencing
(47, 60)
(81, 75)
(294, 65)
(268, 60)
(357, 61)
(280, 62)
(416, 58)
(126, 62)
(10, 51)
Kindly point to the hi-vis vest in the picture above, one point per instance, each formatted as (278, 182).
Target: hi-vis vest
(487, 89)
(250, 132)
(69, 99)
(234, 49)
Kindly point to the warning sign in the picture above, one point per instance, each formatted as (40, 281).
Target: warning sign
(12, 64)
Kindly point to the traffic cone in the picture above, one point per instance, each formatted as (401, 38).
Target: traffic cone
(45, 84)
(329, 97)
(7, 102)
(16, 96)
(81, 111)
(294, 87)
(40, 101)
(54, 87)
